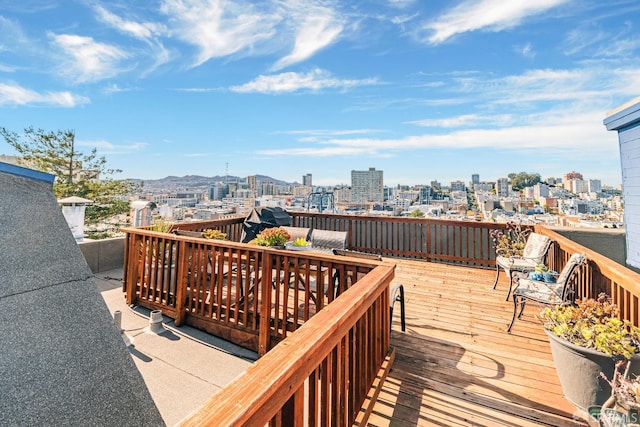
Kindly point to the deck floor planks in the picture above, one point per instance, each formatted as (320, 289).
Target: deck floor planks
(456, 365)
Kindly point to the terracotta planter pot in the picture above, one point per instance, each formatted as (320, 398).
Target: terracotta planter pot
(579, 372)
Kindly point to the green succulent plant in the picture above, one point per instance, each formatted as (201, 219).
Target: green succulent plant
(593, 323)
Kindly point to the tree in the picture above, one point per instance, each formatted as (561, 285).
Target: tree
(523, 179)
(416, 213)
(77, 173)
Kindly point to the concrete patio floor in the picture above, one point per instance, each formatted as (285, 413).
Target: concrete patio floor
(182, 366)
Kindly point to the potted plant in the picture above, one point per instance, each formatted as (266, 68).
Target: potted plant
(210, 233)
(586, 339)
(511, 241)
(299, 244)
(545, 273)
(274, 236)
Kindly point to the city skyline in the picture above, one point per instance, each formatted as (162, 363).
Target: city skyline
(421, 91)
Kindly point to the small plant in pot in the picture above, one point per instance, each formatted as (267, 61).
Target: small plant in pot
(586, 339)
(275, 236)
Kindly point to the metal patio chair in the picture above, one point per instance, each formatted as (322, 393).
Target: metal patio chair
(534, 253)
(559, 293)
(396, 292)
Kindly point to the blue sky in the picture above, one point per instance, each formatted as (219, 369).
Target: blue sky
(422, 90)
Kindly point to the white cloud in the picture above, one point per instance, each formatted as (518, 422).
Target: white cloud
(526, 51)
(401, 4)
(490, 15)
(87, 60)
(18, 95)
(106, 147)
(292, 82)
(316, 27)
(559, 136)
(143, 31)
(219, 28)
(465, 120)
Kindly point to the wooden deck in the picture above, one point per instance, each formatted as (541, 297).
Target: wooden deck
(456, 365)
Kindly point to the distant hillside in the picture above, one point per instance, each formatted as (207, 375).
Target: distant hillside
(195, 181)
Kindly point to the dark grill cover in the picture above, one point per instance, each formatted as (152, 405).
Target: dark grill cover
(261, 218)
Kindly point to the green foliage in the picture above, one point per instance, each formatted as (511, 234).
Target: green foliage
(593, 323)
(274, 236)
(416, 213)
(77, 173)
(521, 180)
(210, 233)
(300, 241)
(161, 226)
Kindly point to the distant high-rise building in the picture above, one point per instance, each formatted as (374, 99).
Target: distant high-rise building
(252, 181)
(475, 178)
(594, 186)
(569, 178)
(578, 186)
(367, 186)
(502, 187)
(218, 191)
(306, 180)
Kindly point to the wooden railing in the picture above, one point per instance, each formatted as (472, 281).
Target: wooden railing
(469, 243)
(227, 288)
(461, 242)
(320, 375)
(599, 275)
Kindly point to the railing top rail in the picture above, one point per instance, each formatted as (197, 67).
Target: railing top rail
(289, 363)
(310, 254)
(614, 271)
(478, 224)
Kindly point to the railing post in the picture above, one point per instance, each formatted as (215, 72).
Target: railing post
(181, 282)
(134, 243)
(264, 334)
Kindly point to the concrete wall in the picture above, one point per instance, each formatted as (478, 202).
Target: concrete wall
(608, 242)
(103, 255)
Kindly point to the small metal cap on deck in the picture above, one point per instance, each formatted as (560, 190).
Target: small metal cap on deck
(155, 323)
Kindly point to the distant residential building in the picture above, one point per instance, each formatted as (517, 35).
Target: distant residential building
(218, 191)
(306, 180)
(436, 185)
(424, 195)
(578, 186)
(342, 195)
(475, 179)
(569, 178)
(367, 186)
(502, 187)
(553, 181)
(482, 187)
(540, 190)
(301, 191)
(594, 186)
(252, 181)
(457, 186)
(572, 175)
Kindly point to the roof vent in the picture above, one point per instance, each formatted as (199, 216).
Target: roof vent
(155, 323)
